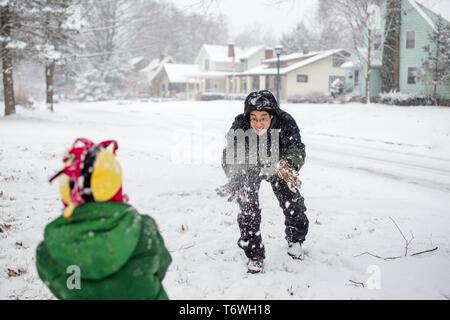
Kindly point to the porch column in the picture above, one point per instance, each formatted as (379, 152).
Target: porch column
(249, 83)
(262, 82)
(238, 84)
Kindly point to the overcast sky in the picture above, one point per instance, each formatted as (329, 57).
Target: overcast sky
(282, 17)
(242, 13)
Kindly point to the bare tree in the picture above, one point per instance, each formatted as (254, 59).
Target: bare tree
(255, 34)
(359, 16)
(391, 47)
(107, 40)
(116, 31)
(8, 15)
(369, 37)
(299, 38)
(53, 37)
(333, 31)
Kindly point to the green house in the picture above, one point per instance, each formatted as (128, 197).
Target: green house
(417, 21)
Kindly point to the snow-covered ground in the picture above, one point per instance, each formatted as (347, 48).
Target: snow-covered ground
(365, 165)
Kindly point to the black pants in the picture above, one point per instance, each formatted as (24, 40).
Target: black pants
(249, 219)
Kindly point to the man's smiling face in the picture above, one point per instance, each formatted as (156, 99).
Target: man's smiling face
(260, 121)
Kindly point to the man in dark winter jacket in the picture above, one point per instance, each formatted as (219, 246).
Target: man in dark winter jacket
(264, 143)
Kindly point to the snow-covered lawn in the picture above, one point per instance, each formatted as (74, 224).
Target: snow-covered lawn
(364, 166)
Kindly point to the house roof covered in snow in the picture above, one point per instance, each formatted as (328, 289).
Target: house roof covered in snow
(152, 65)
(155, 66)
(213, 74)
(181, 73)
(430, 9)
(292, 56)
(138, 63)
(136, 60)
(219, 53)
(350, 64)
(267, 70)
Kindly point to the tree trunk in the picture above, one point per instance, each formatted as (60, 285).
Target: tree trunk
(397, 67)
(8, 87)
(369, 67)
(49, 72)
(391, 47)
(436, 75)
(397, 48)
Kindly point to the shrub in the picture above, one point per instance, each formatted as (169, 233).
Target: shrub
(313, 97)
(212, 96)
(206, 96)
(405, 99)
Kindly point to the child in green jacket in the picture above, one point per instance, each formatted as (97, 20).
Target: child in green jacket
(101, 248)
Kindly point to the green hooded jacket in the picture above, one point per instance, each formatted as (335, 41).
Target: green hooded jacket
(106, 251)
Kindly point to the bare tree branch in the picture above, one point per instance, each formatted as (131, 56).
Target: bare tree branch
(408, 242)
(357, 283)
(417, 253)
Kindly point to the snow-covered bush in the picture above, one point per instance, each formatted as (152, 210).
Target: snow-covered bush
(313, 97)
(236, 96)
(92, 87)
(206, 96)
(405, 99)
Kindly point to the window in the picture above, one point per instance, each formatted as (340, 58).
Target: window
(207, 64)
(412, 74)
(356, 78)
(410, 39)
(377, 42)
(302, 78)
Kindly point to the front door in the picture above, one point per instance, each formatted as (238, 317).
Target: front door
(356, 80)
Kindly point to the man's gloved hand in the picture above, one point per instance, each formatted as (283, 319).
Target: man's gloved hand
(289, 175)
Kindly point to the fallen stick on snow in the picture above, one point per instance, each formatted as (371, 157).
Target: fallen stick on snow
(355, 283)
(374, 255)
(406, 241)
(417, 253)
(406, 247)
(392, 258)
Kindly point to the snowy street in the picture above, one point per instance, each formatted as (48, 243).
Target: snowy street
(366, 166)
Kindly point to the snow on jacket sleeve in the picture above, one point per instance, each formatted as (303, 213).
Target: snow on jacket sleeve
(291, 147)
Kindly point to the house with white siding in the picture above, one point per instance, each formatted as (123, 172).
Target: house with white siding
(300, 73)
(216, 62)
(230, 70)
